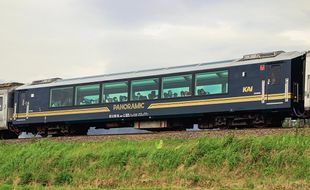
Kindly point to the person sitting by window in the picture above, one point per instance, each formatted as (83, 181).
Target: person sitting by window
(182, 93)
(121, 98)
(152, 95)
(202, 92)
(138, 96)
(165, 95)
(115, 99)
(175, 95)
(187, 93)
(143, 98)
(149, 96)
(170, 95)
(198, 92)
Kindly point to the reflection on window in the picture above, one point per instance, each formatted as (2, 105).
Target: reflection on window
(146, 89)
(87, 95)
(22, 98)
(115, 92)
(215, 82)
(177, 86)
(61, 97)
(275, 74)
(1, 103)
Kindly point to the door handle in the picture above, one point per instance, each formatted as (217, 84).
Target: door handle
(268, 81)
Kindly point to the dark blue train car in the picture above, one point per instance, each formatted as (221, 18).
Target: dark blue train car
(257, 90)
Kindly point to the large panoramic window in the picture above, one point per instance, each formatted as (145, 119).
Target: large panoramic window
(87, 95)
(1, 103)
(146, 89)
(215, 82)
(115, 92)
(177, 86)
(61, 97)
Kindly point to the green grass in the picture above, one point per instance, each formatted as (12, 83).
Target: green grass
(270, 162)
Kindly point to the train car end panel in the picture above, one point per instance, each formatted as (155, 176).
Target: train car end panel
(307, 83)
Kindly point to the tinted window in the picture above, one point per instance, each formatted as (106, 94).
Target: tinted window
(115, 92)
(215, 82)
(87, 95)
(146, 89)
(177, 86)
(275, 74)
(61, 97)
(22, 98)
(1, 103)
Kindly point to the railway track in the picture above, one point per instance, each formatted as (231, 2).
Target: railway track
(163, 135)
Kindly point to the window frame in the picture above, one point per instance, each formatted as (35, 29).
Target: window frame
(160, 78)
(277, 76)
(102, 102)
(61, 87)
(210, 71)
(88, 84)
(147, 78)
(192, 74)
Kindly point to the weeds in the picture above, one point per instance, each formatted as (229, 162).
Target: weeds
(63, 178)
(186, 163)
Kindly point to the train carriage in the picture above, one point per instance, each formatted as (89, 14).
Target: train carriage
(256, 90)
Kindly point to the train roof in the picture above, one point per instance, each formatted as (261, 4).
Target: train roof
(247, 59)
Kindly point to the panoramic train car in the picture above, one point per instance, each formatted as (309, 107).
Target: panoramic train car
(256, 90)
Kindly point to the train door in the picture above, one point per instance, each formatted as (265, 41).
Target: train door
(275, 85)
(2, 112)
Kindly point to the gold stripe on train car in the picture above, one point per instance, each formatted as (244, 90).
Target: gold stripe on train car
(215, 101)
(65, 112)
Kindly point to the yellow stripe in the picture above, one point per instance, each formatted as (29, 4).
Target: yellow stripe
(214, 101)
(64, 112)
(239, 99)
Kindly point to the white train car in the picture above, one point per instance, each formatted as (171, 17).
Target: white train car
(7, 109)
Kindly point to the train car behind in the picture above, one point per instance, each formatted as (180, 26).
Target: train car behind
(6, 110)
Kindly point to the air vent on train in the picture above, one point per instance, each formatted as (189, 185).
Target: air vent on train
(261, 55)
(10, 85)
(45, 81)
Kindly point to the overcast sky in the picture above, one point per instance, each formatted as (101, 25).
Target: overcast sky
(70, 38)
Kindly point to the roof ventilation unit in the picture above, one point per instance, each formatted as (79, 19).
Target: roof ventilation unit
(261, 55)
(45, 81)
(9, 85)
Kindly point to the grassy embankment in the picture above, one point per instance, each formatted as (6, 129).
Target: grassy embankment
(271, 162)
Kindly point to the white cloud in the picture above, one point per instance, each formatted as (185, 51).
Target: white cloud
(297, 36)
(72, 38)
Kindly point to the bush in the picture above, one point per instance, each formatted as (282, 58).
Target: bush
(63, 178)
(26, 178)
(42, 179)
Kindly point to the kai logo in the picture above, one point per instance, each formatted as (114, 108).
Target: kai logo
(247, 89)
